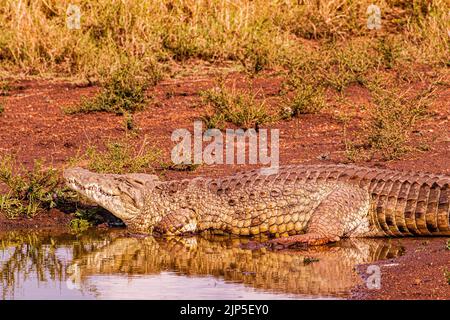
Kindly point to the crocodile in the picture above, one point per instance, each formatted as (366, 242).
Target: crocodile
(297, 205)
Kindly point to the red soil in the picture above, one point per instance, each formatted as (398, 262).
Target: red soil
(419, 274)
(33, 126)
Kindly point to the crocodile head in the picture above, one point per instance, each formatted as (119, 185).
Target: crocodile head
(122, 195)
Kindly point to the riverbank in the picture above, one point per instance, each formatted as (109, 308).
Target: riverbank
(35, 126)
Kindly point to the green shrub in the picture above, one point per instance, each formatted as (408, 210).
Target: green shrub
(119, 157)
(392, 120)
(390, 49)
(447, 276)
(238, 107)
(307, 99)
(124, 92)
(28, 192)
(79, 225)
(5, 87)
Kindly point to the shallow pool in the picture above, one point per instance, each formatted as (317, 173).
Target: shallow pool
(110, 265)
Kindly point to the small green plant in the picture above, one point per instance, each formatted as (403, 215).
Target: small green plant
(4, 88)
(341, 64)
(2, 109)
(388, 129)
(123, 93)
(214, 120)
(239, 108)
(353, 152)
(28, 191)
(448, 244)
(120, 157)
(129, 122)
(390, 50)
(307, 67)
(392, 119)
(447, 275)
(261, 49)
(307, 99)
(79, 224)
(86, 216)
(348, 64)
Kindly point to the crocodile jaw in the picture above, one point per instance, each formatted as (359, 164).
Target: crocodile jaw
(122, 195)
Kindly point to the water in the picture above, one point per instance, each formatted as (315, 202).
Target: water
(110, 265)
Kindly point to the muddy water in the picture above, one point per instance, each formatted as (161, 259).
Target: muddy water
(109, 265)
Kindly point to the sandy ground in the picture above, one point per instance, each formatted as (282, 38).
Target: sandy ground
(418, 274)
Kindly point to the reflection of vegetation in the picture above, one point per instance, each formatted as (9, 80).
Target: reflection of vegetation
(29, 256)
(42, 256)
(33, 256)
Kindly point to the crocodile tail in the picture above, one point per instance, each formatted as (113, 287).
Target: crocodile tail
(406, 203)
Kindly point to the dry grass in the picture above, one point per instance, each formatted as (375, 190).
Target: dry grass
(391, 120)
(321, 44)
(306, 99)
(239, 107)
(124, 92)
(119, 157)
(258, 34)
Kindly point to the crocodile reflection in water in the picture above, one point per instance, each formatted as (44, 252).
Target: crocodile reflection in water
(316, 271)
(69, 258)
